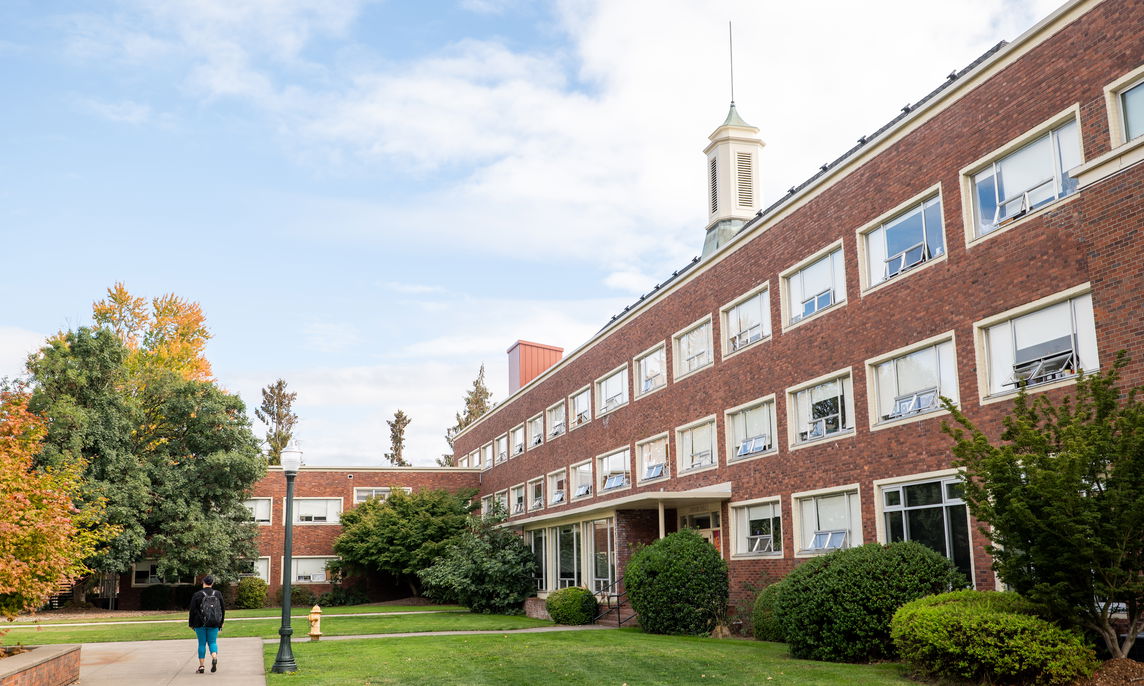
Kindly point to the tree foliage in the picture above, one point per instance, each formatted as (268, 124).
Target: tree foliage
(402, 534)
(171, 334)
(44, 538)
(172, 457)
(397, 438)
(488, 569)
(478, 400)
(1063, 495)
(277, 414)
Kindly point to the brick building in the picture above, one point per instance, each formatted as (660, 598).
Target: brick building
(779, 393)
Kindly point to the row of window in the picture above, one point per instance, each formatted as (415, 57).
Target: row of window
(1045, 341)
(309, 510)
(1021, 177)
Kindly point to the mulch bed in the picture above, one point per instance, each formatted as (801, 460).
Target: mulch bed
(1118, 672)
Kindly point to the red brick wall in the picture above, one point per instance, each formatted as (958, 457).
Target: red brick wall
(42, 666)
(1093, 237)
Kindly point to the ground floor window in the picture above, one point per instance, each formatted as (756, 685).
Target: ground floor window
(932, 513)
(828, 522)
(260, 568)
(568, 556)
(146, 573)
(576, 554)
(758, 528)
(603, 554)
(310, 570)
(536, 541)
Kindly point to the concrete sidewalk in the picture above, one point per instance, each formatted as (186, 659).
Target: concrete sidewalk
(160, 663)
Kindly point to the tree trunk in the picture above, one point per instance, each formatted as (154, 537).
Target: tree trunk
(413, 587)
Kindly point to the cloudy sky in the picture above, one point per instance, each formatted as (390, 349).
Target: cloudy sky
(371, 199)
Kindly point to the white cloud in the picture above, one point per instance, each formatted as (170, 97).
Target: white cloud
(412, 288)
(15, 346)
(125, 111)
(327, 337)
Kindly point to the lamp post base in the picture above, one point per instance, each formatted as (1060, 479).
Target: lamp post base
(284, 662)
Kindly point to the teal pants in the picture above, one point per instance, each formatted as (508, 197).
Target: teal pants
(208, 636)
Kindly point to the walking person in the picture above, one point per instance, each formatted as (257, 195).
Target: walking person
(206, 618)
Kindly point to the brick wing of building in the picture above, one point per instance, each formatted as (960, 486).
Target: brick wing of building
(780, 393)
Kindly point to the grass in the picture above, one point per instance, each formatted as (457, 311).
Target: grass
(261, 612)
(268, 628)
(626, 656)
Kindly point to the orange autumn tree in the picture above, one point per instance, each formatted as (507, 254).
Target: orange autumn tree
(43, 537)
(171, 334)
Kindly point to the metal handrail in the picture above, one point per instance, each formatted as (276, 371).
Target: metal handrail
(612, 596)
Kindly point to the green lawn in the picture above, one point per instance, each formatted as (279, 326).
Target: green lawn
(268, 628)
(625, 656)
(261, 612)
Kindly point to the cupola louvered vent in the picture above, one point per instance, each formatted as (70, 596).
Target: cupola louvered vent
(746, 179)
(714, 187)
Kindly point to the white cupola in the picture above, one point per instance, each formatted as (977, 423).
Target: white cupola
(734, 193)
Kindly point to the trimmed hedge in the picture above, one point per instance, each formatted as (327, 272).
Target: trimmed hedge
(988, 637)
(250, 594)
(573, 605)
(343, 596)
(678, 585)
(838, 607)
(766, 626)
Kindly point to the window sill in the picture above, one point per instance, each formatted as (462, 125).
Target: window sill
(644, 482)
(841, 435)
(974, 239)
(901, 421)
(697, 470)
(608, 412)
(647, 393)
(794, 325)
(1009, 395)
(680, 376)
(776, 555)
(749, 458)
(728, 353)
(617, 489)
(317, 523)
(900, 276)
(1118, 159)
(580, 425)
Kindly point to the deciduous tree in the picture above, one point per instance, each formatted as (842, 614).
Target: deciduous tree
(171, 334)
(1063, 494)
(278, 415)
(478, 400)
(397, 438)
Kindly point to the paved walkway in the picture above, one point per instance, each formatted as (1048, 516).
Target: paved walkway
(245, 619)
(173, 663)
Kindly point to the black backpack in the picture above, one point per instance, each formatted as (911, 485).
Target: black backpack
(210, 609)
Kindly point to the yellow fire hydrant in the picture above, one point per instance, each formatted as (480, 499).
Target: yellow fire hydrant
(315, 618)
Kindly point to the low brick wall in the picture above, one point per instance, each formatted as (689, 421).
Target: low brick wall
(535, 608)
(42, 666)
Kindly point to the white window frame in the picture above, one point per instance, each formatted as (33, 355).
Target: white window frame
(1117, 126)
(576, 484)
(639, 381)
(330, 521)
(865, 233)
(153, 579)
(386, 492)
(462, 462)
(512, 500)
(987, 395)
(732, 445)
(680, 370)
(641, 464)
(486, 505)
(475, 459)
(269, 510)
(513, 445)
(487, 456)
(603, 407)
(255, 563)
(732, 342)
(552, 492)
(556, 427)
(532, 505)
(793, 428)
(603, 478)
(873, 398)
(578, 418)
(854, 502)
(680, 442)
(529, 437)
(838, 281)
(501, 499)
(500, 449)
(969, 190)
(740, 545)
(294, 569)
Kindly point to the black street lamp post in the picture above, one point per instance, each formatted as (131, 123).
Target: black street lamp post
(291, 462)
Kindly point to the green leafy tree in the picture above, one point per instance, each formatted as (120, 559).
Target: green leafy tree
(277, 414)
(172, 457)
(1063, 495)
(478, 400)
(402, 534)
(397, 438)
(488, 569)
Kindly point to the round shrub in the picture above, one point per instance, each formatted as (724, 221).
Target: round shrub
(766, 626)
(678, 585)
(572, 605)
(988, 637)
(251, 593)
(838, 607)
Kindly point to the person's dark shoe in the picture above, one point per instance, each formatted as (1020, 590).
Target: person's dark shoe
(201, 670)
(214, 664)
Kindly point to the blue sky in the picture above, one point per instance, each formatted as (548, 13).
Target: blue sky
(370, 199)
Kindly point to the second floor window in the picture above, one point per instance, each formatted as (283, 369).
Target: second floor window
(824, 410)
(693, 349)
(817, 286)
(581, 407)
(652, 459)
(582, 480)
(557, 488)
(556, 420)
(536, 430)
(516, 439)
(614, 470)
(1049, 344)
(747, 322)
(518, 499)
(649, 371)
(697, 446)
(536, 494)
(752, 430)
(612, 391)
(502, 449)
(905, 241)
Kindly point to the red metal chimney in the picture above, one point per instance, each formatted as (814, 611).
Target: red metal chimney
(527, 360)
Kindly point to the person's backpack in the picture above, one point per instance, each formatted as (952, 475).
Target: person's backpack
(211, 609)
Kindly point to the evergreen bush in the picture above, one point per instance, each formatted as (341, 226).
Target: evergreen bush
(251, 593)
(573, 606)
(342, 596)
(157, 597)
(838, 607)
(988, 637)
(766, 626)
(300, 596)
(678, 585)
